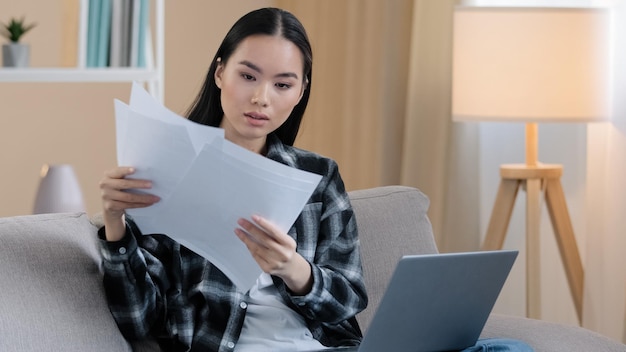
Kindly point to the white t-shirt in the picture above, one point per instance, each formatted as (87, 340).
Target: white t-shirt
(270, 325)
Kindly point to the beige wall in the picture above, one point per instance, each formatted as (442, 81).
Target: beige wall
(355, 115)
(74, 122)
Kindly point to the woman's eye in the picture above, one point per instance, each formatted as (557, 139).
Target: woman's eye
(283, 85)
(247, 77)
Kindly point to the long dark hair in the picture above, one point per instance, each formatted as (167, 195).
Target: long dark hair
(207, 107)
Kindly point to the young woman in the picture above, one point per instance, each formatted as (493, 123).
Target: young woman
(257, 90)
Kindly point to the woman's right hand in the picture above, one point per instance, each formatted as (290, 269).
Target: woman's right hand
(116, 199)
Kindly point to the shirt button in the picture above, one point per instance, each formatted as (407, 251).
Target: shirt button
(122, 250)
(243, 305)
(230, 344)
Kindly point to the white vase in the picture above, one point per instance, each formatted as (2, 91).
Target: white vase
(59, 191)
(15, 55)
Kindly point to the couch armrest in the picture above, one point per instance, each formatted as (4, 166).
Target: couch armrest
(51, 286)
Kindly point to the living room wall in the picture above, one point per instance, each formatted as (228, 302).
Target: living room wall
(48, 123)
(73, 123)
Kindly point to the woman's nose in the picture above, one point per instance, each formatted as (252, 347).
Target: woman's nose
(260, 96)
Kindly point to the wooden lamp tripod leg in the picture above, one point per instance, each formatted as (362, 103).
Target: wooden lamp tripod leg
(501, 214)
(499, 223)
(564, 232)
(534, 177)
(533, 248)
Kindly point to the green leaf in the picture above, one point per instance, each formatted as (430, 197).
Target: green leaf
(15, 29)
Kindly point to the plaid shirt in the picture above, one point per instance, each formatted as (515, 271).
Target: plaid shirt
(156, 287)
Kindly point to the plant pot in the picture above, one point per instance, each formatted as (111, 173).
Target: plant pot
(15, 55)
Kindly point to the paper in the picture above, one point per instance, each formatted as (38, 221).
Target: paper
(206, 183)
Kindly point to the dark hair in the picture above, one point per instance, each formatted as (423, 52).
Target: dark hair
(207, 107)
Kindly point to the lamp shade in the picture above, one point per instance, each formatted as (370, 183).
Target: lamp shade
(59, 191)
(530, 64)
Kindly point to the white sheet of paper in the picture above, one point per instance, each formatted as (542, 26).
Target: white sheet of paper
(205, 191)
(142, 102)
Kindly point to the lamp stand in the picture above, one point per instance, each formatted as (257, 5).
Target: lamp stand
(537, 178)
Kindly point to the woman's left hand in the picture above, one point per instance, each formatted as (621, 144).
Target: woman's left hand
(275, 252)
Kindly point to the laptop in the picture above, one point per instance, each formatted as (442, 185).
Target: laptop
(437, 302)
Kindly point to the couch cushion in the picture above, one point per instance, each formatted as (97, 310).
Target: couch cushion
(392, 222)
(51, 286)
(545, 336)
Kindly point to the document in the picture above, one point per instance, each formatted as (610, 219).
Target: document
(205, 183)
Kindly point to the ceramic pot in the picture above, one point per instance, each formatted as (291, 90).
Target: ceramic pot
(15, 55)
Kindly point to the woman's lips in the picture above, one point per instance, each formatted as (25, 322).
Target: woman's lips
(256, 119)
(256, 116)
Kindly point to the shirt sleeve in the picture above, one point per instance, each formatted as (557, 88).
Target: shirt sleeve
(329, 226)
(131, 286)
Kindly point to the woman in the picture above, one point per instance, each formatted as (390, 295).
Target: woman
(257, 90)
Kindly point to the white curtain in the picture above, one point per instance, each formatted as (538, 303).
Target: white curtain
(356, 112)
(380, 104)
(439, 156)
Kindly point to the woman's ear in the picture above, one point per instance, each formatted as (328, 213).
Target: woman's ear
(219, 70)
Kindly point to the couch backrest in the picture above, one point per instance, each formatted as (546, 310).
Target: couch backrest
(51, 287)
(392, 222)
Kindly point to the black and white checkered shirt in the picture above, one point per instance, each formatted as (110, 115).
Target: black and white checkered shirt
(158, 288)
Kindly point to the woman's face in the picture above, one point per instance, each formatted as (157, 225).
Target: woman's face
(260, 85)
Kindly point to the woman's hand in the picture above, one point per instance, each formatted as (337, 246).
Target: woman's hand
(275, 252)
(116, 199)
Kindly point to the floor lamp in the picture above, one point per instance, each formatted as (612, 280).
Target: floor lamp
(532, 65)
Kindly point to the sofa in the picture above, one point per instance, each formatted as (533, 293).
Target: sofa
(52, 297)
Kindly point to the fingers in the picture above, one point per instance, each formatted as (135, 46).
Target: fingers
(267, 226)
(120, 200)
(271, 248)
(249, 232)
(262, 232)
(263, 228)
(116, 179)
(117, 194)
(275, 252)
(119, 172)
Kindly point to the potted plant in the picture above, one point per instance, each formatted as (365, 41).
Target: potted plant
(15, 54)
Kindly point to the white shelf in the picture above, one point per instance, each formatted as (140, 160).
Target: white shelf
(70, 74)
(153, 75)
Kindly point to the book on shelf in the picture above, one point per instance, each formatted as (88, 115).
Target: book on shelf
(134, 32)
(93, 26)
(124, 25)
(115, 46)
(104, 34)
(117, 33)
(143, 26)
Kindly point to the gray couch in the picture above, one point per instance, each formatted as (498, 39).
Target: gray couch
(52, 297)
